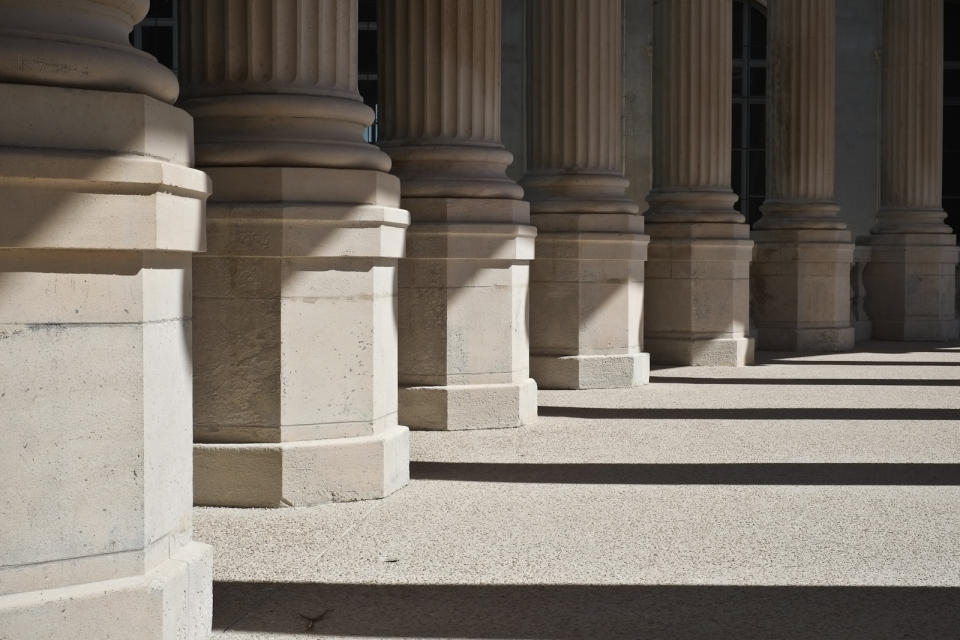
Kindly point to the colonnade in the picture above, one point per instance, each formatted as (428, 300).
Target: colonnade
(337, 293)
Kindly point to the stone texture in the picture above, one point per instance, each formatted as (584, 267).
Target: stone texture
(697, 279)
(800, 278)
(586, 308)
(463, 360)
(911, 280)
(102, 213)
(296, 387)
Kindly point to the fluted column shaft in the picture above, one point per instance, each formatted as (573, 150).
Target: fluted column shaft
(697, 274)
(299, 281)
(911, 277)
(441, 98)
(469, 247)
(692, 112)
(101, 215)
(801, 266)
(575, 150)
(801, 117)
(274, 83)
(587, 280)
(911, 160)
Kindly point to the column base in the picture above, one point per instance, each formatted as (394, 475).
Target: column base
(697, 310)
(301, 473)
(701, 352)
(800, 292)
(618, 371)
(174, 600)
(469, 406)
(911, 284)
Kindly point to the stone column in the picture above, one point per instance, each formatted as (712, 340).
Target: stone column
(697, 280)
(911, 278)
(295, 326)
(101, 214)
(586, 290)
(463, 285)
(800, 278)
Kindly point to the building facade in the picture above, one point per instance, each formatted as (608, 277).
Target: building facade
(241, 284)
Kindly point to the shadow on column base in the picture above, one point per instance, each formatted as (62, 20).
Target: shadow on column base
(917, 330)
(302, 473)
(174, 600)
(805, 340)
(700, 352)
(618, 371)
(469, 406)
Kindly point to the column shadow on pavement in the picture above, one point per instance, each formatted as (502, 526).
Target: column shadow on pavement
(589, 611)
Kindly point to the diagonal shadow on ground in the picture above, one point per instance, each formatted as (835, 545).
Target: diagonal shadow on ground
(694, 473)
(595, 611)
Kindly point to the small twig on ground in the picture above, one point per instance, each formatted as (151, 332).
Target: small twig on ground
(312, 621)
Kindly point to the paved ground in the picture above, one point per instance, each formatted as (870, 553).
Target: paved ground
(807, 497)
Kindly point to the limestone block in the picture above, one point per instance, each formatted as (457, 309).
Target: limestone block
(911, 286)
(95, 367)
(169, 602)
(697, 294)
(302, 473)
(800, 290)
(587, 309)
(450, 361)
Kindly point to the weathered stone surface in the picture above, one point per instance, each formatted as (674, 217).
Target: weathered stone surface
(295, 333)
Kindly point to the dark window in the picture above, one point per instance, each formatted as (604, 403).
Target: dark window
(158, 33)
(951, 113)
(749, 106)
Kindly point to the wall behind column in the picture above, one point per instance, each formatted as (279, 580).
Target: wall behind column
(513, 63)
(637, 96)
(858, 111)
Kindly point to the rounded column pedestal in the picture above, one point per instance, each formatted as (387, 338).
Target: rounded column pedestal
(586, 291)
(463, 284)
(911, 280)
(698, 268)
(101, 216)
(295, 326)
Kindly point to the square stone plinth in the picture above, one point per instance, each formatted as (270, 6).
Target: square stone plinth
(911, 287)
(800, 290)
(698, 294)
(463, 319)
(586, 310)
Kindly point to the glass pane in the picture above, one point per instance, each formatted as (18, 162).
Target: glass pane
(951, 30)
(737, 29)
(952, 207)
(367, 11)
(367, 51)
(951, 128)
(951, 83)
(160, 9)
(158, 42)
(738, 125)
(737, 80)
(753, 209)
(951, 174)
(758, 34)
(758, 82)
(758, 173)
(368, 91)
(736, 173)
(757, 124)
(757, 186)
